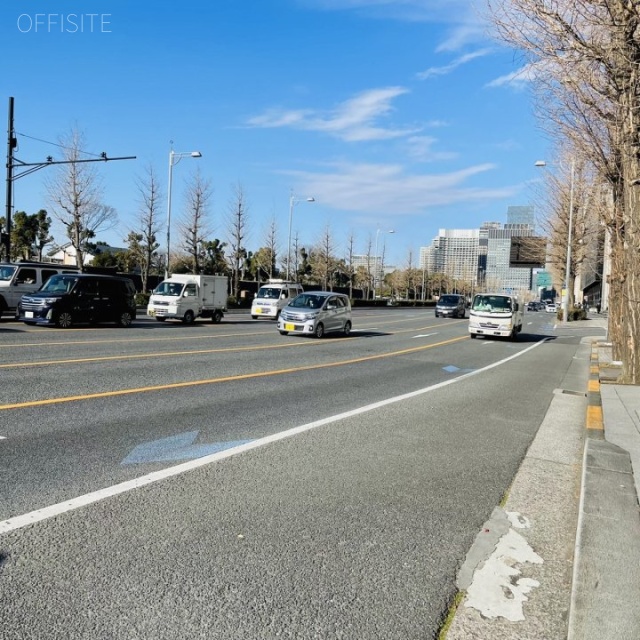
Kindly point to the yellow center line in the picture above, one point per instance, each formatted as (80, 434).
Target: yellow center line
(42, 363)
(246, 376)
(152, 355)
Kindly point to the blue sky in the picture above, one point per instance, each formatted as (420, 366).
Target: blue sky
(392, 114)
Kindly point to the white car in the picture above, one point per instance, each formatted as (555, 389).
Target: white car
(551, 308)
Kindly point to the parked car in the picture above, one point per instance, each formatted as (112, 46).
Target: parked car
(532, 306)
(451, 305)
(551, 307)
(22, 278)
(70, 299)
(315, 313)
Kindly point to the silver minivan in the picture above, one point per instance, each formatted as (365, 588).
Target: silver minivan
(315, 313)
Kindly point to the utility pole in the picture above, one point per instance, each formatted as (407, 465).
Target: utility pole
(13, 162)
(11, 145)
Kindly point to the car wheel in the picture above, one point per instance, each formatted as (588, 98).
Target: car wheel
(284, 333)
(463, 314)
(160, 319)
(64, 320)
(473, 336)
(125, 319)
(189, 317)
(255, 317)
(216, 317)
(319, 332)
(347, 328)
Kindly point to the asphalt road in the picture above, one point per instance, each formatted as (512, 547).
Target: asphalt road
(342, 483)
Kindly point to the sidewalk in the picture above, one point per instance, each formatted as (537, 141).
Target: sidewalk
(561, 558)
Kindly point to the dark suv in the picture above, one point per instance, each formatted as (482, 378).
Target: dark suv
(65, 300)
(451, 306)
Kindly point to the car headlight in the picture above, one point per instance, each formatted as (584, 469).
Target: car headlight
(50, 300)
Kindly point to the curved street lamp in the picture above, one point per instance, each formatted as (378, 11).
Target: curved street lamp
(292, 203)
(174, 158)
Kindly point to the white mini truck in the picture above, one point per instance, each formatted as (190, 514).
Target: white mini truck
(495, 314)
(186, 297)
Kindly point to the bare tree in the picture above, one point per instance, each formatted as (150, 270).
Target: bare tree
(271, 244)
(75, 193)
(237, 230)
(144, 240)
(585, 56)
(323, 260)
(195, 227)
(349, 261)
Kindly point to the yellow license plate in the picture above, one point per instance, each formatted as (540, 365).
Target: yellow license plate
(258, 310)
(289, 327)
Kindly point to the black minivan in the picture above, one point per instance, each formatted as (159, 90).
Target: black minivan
(69, 299)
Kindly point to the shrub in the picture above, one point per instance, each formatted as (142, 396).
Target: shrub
(142, 299)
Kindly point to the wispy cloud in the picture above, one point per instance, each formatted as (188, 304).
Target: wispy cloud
(354, 120)
(408, 10)
(421, 149)
(467, 25)
(519, 79)
(389, 190)
(453, 65)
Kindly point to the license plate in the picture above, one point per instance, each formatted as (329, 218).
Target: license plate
(258, 310)
(289, 327)
(28, 314)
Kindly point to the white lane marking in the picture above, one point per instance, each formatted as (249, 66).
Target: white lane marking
(18, 522)
(3, 437)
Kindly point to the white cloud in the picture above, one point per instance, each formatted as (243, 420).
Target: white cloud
(408, 10)
(458, 62)
(421, 149)
(388, 189)
(519, 79)
(353, 120)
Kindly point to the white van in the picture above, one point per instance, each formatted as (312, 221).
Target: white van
(20, 278)
(495, 314)
(272, 297)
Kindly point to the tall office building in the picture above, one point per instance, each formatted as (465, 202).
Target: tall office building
(453, 252)
(482, 256)
(521, 215)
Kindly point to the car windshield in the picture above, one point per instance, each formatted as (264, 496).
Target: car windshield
(500, 304)
(307, 301)
(6, 272)
(59, 284)
(269, 292)
(169, 289)
(452, 300)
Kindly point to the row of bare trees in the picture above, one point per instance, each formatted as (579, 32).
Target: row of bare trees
(584, 58)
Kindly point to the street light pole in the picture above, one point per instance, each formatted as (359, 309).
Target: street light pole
(565, 302)
(292, 203)
(567, 271)
(174, 158)
(375, 262)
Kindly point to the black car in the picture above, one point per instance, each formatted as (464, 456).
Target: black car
(451, 305)
(70, 299)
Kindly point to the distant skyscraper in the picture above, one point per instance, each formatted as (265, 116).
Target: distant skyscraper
(520, 215)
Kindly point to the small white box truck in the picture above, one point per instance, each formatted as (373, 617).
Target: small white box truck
(186, 297)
